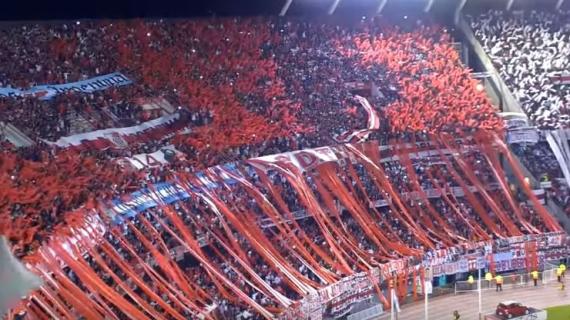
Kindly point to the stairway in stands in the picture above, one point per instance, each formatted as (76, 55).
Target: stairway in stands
(78, 124)
(157, 103)
(15, 136)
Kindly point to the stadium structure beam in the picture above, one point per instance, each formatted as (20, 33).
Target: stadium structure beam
(458, 11)
(285, 7)
(510, 4)
(559, 4)
(381, 6)
(428, 6)
(333, 6)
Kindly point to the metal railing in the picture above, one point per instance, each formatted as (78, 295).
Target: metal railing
(366, 314)
(509, 281)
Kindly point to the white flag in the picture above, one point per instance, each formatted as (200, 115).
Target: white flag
(16, 281)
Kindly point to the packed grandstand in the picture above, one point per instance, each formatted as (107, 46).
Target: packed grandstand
(250, 168)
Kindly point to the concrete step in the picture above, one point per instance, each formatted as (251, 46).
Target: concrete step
(157, 103)
(15, 136)
(78, 124)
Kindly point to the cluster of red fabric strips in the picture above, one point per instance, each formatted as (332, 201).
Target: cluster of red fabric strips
(114, 277)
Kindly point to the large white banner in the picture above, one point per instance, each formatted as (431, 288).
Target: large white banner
(516, 123)
(46, 92)
(373, 123)
(523, 135)
(112, 134)
(303, 159)
(154, 159)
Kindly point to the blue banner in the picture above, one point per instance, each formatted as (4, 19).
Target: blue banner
(166, 193)
(46, 92)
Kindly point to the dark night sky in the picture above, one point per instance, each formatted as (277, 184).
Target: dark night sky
(76, 9)
(72, 9)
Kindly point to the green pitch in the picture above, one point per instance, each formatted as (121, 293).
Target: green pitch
(559, 313)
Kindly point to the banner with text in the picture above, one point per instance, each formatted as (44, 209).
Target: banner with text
(523, 135)
(46, 92)
(113, 134)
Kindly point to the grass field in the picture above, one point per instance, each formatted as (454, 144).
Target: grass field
(559, 313)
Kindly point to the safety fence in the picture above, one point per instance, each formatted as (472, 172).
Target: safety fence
(367, 314)
(516, 280)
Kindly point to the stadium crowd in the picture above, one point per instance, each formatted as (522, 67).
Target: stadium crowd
(245, 88)
(542, 163)
(233, 70)
(531, 51)
(147, 237)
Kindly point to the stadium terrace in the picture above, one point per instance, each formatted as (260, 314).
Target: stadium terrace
(279, 167)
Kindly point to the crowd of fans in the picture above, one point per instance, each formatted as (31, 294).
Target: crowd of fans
(250, 86)
(70, 114)
(433, 223)
(544, 166)
(245, 88)
(531, 51)
(539, 159)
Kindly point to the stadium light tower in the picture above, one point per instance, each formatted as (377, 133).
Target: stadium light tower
(285, 7)
(458, 11)
(510, 4)
(333, 6)
(427, 291)
(428, 6)
(381, 6)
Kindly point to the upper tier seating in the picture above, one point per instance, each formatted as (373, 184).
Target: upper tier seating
(531, 49)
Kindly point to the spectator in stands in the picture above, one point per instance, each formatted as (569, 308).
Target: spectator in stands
(531, 51)
(248, 88)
